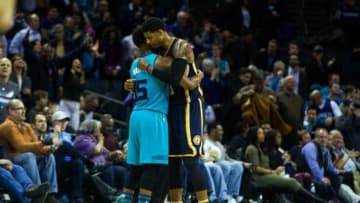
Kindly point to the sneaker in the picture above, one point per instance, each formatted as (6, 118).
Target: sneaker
(37, 190)
(231, 200)
(51, 199)
(239, 198)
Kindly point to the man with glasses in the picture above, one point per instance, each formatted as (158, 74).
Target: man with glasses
(26, 150)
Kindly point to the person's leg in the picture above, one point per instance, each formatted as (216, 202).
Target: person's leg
(198, 178)
(325, 191)
(20, 175)
(219, 182)
(236, 171)
(47, 168)
(119, 175)
(76, 174)
(147, 182)
(347, 194)
(226, 169)
(356, 175)
(132, 180)
(29, 164)
(335, 182)
(12, 186)
(133, 175)
(161, 189)
(175, 180)
(107, 176)
(211, 185)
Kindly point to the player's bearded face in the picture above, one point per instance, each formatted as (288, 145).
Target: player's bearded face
(154, 39)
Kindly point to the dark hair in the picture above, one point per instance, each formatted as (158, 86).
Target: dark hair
(312, 107)
(39, 94)
(300, 134)
(212, 126)
(245, 70)
(138, 37)
(153, 24)
(269, 143)
(32, 120)
(251, 139)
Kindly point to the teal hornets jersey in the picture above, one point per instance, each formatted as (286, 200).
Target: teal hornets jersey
(150, 92)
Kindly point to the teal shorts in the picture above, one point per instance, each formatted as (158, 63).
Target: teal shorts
(148, 138)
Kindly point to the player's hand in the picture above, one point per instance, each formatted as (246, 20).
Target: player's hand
(130, 84)
(200, 74)
(143, 64)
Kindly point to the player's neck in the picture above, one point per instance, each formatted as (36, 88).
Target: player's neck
(167, 41)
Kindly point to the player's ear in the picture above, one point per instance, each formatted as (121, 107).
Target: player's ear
(161, 32)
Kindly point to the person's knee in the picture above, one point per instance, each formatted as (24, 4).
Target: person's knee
(28, 156)
(4, 172)
(215, 169)
(17, 168)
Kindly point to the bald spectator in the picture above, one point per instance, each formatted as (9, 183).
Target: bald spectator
(8, 89)
(290, 106)
(111, 141)
(328, 110)
(16, 45)
(26, 150)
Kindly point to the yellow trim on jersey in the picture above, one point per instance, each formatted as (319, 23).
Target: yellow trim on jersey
(195, 69)
(187, 129)
(202, 127)
(171, 44)
(187, 96)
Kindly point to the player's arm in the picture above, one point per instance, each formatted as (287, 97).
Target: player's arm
(172, 75)
(184, 50)
(7, 10)
(193, 82)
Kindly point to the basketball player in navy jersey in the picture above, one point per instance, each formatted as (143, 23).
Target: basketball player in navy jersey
(185, 113)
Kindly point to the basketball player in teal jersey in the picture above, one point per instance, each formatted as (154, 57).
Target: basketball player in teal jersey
(148, 147)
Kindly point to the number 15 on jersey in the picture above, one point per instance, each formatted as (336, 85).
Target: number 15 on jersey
(141, 91)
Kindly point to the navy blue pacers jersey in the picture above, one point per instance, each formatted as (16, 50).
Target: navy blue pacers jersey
(185, 117)
(150, 93)
(179, 94)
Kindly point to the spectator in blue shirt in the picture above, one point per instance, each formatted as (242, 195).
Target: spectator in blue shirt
(325, 175)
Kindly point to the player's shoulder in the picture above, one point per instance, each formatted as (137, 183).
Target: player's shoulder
(183, 49)
(183, 44)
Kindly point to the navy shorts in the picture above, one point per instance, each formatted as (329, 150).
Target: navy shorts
(186, 123)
